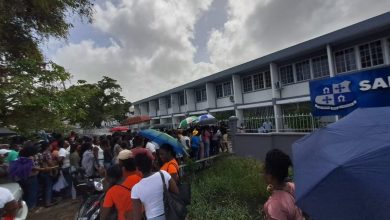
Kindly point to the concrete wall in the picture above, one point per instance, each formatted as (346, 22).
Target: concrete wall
(257, 145)
(298, 89)
(224, 102)
(258, 96)
(201, 105)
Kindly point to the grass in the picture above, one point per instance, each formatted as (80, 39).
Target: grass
(233, 188)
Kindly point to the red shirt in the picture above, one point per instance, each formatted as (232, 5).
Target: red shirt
(120, 197)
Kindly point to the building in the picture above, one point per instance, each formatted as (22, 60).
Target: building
(277, 83)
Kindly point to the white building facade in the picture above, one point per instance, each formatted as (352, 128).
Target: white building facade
(270, 84)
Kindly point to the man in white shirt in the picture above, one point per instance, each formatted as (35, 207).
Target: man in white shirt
(8, 204)
(63, 157)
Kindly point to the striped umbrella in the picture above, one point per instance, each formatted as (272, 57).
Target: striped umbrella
(186, 122)
(206, 119)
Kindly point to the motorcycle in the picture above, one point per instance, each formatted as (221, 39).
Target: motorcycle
(17, 192)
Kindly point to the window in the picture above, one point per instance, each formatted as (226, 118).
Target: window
(267, 78)
(286, 74)
(157, 105)
(371, 54)
(227, 88)
(147, 107)
(247, 83)
(169, 103)
(219, 91)
(200, 95)
(303, 70)
(258, 81)
(345, 60)
(320, 66)
(182, 99)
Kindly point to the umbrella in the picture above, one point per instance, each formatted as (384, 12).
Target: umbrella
(137, 120)
(186, 122)
(6, 132)
(207, 119)
(119, 128)
(163, 138)
(343, 171)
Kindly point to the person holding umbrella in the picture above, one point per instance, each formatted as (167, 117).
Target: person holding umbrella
(281, 203)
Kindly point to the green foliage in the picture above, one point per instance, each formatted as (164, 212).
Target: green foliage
(232, 188)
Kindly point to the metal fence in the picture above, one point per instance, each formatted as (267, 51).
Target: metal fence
(289, 123)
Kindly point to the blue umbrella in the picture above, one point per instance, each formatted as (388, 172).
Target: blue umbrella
(206, 119)
(163, 138)
(343, 171)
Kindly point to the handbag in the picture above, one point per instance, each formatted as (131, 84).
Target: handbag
(184, 188)
(174, 207)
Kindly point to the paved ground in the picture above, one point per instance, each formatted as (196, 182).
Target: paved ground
(65, 210)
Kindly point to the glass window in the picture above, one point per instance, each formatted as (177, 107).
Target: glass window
(303, 70)
(182, 99)
(147, 107)
(320, 66)
(198, 95)
(286, 74)
(157, 105)
(218, 90)
(227, 89)
(204, 94)
(371, 54)
(247, 83)
(258, 81)
(267, 78)
(345, 60)
(169, 103)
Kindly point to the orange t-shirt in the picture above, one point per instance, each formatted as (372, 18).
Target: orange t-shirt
(172, 167)
(120, 197)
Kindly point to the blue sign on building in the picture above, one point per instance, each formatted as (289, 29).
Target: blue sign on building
(342, 94)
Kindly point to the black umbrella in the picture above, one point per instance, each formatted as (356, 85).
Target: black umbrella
(6, 132)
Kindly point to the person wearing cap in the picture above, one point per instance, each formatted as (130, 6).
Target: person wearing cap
(195, 144)
(119, 195)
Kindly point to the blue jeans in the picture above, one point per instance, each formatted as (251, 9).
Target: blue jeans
(30, 188)
(47, 180)
(68, 178)
(195, 153)
(206, 149)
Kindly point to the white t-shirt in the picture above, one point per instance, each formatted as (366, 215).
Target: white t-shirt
(65, 154)
(184, 140)
(100, 152)
(152, 146)
(150, 191)
(5, 197)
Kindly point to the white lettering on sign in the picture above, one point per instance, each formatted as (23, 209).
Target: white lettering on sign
(379, 83)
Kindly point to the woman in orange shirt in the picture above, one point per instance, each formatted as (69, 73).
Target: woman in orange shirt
(167, 156)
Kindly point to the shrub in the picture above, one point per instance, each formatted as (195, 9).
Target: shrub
(233, 188)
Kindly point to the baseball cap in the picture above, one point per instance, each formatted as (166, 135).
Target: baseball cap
(125, 154)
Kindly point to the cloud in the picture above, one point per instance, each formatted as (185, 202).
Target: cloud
(152, 44)
(257, 28)
(150, 49)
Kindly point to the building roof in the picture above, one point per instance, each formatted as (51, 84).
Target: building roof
(355, 31)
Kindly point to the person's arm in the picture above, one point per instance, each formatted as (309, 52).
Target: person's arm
(173, 171)
(173, 187)
(106, 206)
(11, 208)
(137, 209)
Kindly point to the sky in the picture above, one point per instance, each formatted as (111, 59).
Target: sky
(150, 46)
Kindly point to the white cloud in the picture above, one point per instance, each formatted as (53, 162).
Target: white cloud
(257, 28)
(150, 51)
(151, 48)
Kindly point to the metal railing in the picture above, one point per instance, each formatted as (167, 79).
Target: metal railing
(305, 122)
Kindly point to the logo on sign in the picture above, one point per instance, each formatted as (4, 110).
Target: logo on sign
(335, 96)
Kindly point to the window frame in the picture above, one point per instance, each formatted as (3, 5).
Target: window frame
(321, 66)
(299, 66)
(292, 74)
(169, 102)
(345, 61)
(202, 95)
(370, 55)
(219, 94)
(251, 84)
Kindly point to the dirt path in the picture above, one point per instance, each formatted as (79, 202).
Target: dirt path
(65, 210)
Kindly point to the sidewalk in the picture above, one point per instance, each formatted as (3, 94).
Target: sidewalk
(65, 210)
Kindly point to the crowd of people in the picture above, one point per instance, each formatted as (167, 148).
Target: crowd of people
(44, 168)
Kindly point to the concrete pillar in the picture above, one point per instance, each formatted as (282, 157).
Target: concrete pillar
(175, 103)
(357, 58)
(190, 93)
(162, 102)
(233, 120)
(237, 88)
(152, 108)
(329, 52)
(211, 96)
(175, 122)
(240, 116)
(332, 71)
(276, 95)
(386, 50)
